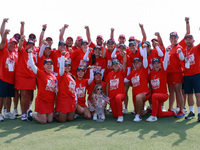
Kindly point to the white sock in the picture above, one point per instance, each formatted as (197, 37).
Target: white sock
(31, 114)
(198, 110)
(191, 108)
(137, 115)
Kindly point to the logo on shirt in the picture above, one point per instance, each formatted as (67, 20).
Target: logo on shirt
(10, 64)
(135, 81)
(155, 83)
(191, 59)
(51, 85)
(80, 91)
(114, 84)
(72, 86)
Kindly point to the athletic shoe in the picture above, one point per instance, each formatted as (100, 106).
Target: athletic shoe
(198, 117)
(191, 115)
(185, 110)
(120, 119)
(163, 108)
(137, 118)
(125, 111)
(151, 119)
(103, 116)
(23, 117)
(76, 116)
(29, 118)
(177, 109)
(174, 110)
(180, 114)
(4, 111)
(15, 112)
(95, 116)
(149, 109)
(9, 115)
(133, 112)
(1, 117)
(110, 110)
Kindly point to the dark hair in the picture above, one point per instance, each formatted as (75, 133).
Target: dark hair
(93, 59)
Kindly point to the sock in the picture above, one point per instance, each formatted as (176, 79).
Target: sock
(191, 108)
(198, 110)
(15, 108)
(31, 114)
(137, 115)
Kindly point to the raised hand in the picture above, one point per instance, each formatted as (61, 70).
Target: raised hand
(7, 31)
(86, 27)
(168, 49)
(66, 26)
(22, 23)
(157, 34)
(141, 25)
(179, 50)
(63, 53)
(187, 19)
(22, 38)
(5, 20)
(44, 26)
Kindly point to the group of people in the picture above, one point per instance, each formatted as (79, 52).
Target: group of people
(104, 71)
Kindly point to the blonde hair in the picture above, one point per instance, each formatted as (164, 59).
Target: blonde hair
(95, 90)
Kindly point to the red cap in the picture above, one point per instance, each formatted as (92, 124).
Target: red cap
(69, 37)
(188, 36)
(12, 40)
(79, 38)
(99, 36)
(122, 35)
(131, 38)
(49, 38)
(156, 39)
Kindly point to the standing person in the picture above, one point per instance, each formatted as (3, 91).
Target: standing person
(81, 87)
(115, 87)
(8, 59)
(25, 79)
(47, 89)
(192, 75)
(174, 73)
(158, 79)
(140, 90)
(65, 102)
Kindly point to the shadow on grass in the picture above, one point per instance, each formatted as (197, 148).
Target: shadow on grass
(162, 128)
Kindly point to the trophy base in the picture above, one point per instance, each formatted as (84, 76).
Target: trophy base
(99, 120)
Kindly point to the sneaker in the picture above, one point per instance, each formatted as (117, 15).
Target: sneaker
(103, 116)
(185, 110)
(191, 115)
(198, 117)
(149, 109)
(180, 114)
(95, 116)
(177, 109)
(151, 119)
(1, 117)
(125, 111)
(15, 112)
(29, 118)
(23, 117)
(163, 108)
(120, 119)
(133, 112)
(137, 118)
(76, 116)
(174, 110)
(110, 110)
(9, 115)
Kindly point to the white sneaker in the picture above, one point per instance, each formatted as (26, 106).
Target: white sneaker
(163, 108)
(125, 111)
(110, 110)
(15, 112)
(23, 117)
(9, 115)
(1, 117)
(95, 116)
(151, 119)
(120, 119)
(175, 111)
(137, 118)
(185, 110)
(103, 116)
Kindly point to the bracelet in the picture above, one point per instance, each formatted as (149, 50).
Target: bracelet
(43, 29)
(187, 22)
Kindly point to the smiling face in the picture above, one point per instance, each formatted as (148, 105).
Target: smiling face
(173, 40)
(67, 68)
(47, 52)
(80, 73)
(138, 64)
(62, 47)
(99, 89)
(69, 42)
(48, 67)
(99, 41)
(121, 40)
(116, 67)
(97, 52)
(133, 48)
(110, 46)
(97, 78)
(12, 46)
(189, 42)
(156, 66)
(84, 46)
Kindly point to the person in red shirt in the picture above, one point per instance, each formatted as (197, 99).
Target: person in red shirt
(77, 58)
(158, 79)
(25, 79)
(174, 73)
(115, 87)
(140, 88)
(95, 60)
(81, 87)
(65, 102)
(8, 59)
(192, 75)
(47, 89)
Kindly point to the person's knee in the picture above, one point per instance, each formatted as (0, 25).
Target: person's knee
(43, 121)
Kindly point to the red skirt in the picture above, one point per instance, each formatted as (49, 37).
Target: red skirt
(23, 83)
(174, 78)
(43, 107)
(65, 104)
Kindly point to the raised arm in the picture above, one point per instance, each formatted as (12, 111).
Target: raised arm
(124, 61)
(112, 33)
(44, 27)
(85, 57)
(3, 40)
(145, 61)
(21, 42)
(159, 39)
(160, 53)
(32, 63)
(22, 28)
(181, 56)
(104, 50)
(113, 55)
(62, 32)
(166, 58)
(62, 63)
(42, 48)
(187, 25)
(91, 75)
(5, 20)
(143, 32)
(88, 33)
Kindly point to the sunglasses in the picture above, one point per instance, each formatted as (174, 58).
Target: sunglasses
(98, 89)
(32, 37)
(17, 37)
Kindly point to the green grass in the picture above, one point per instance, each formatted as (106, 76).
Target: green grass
(166, 133)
